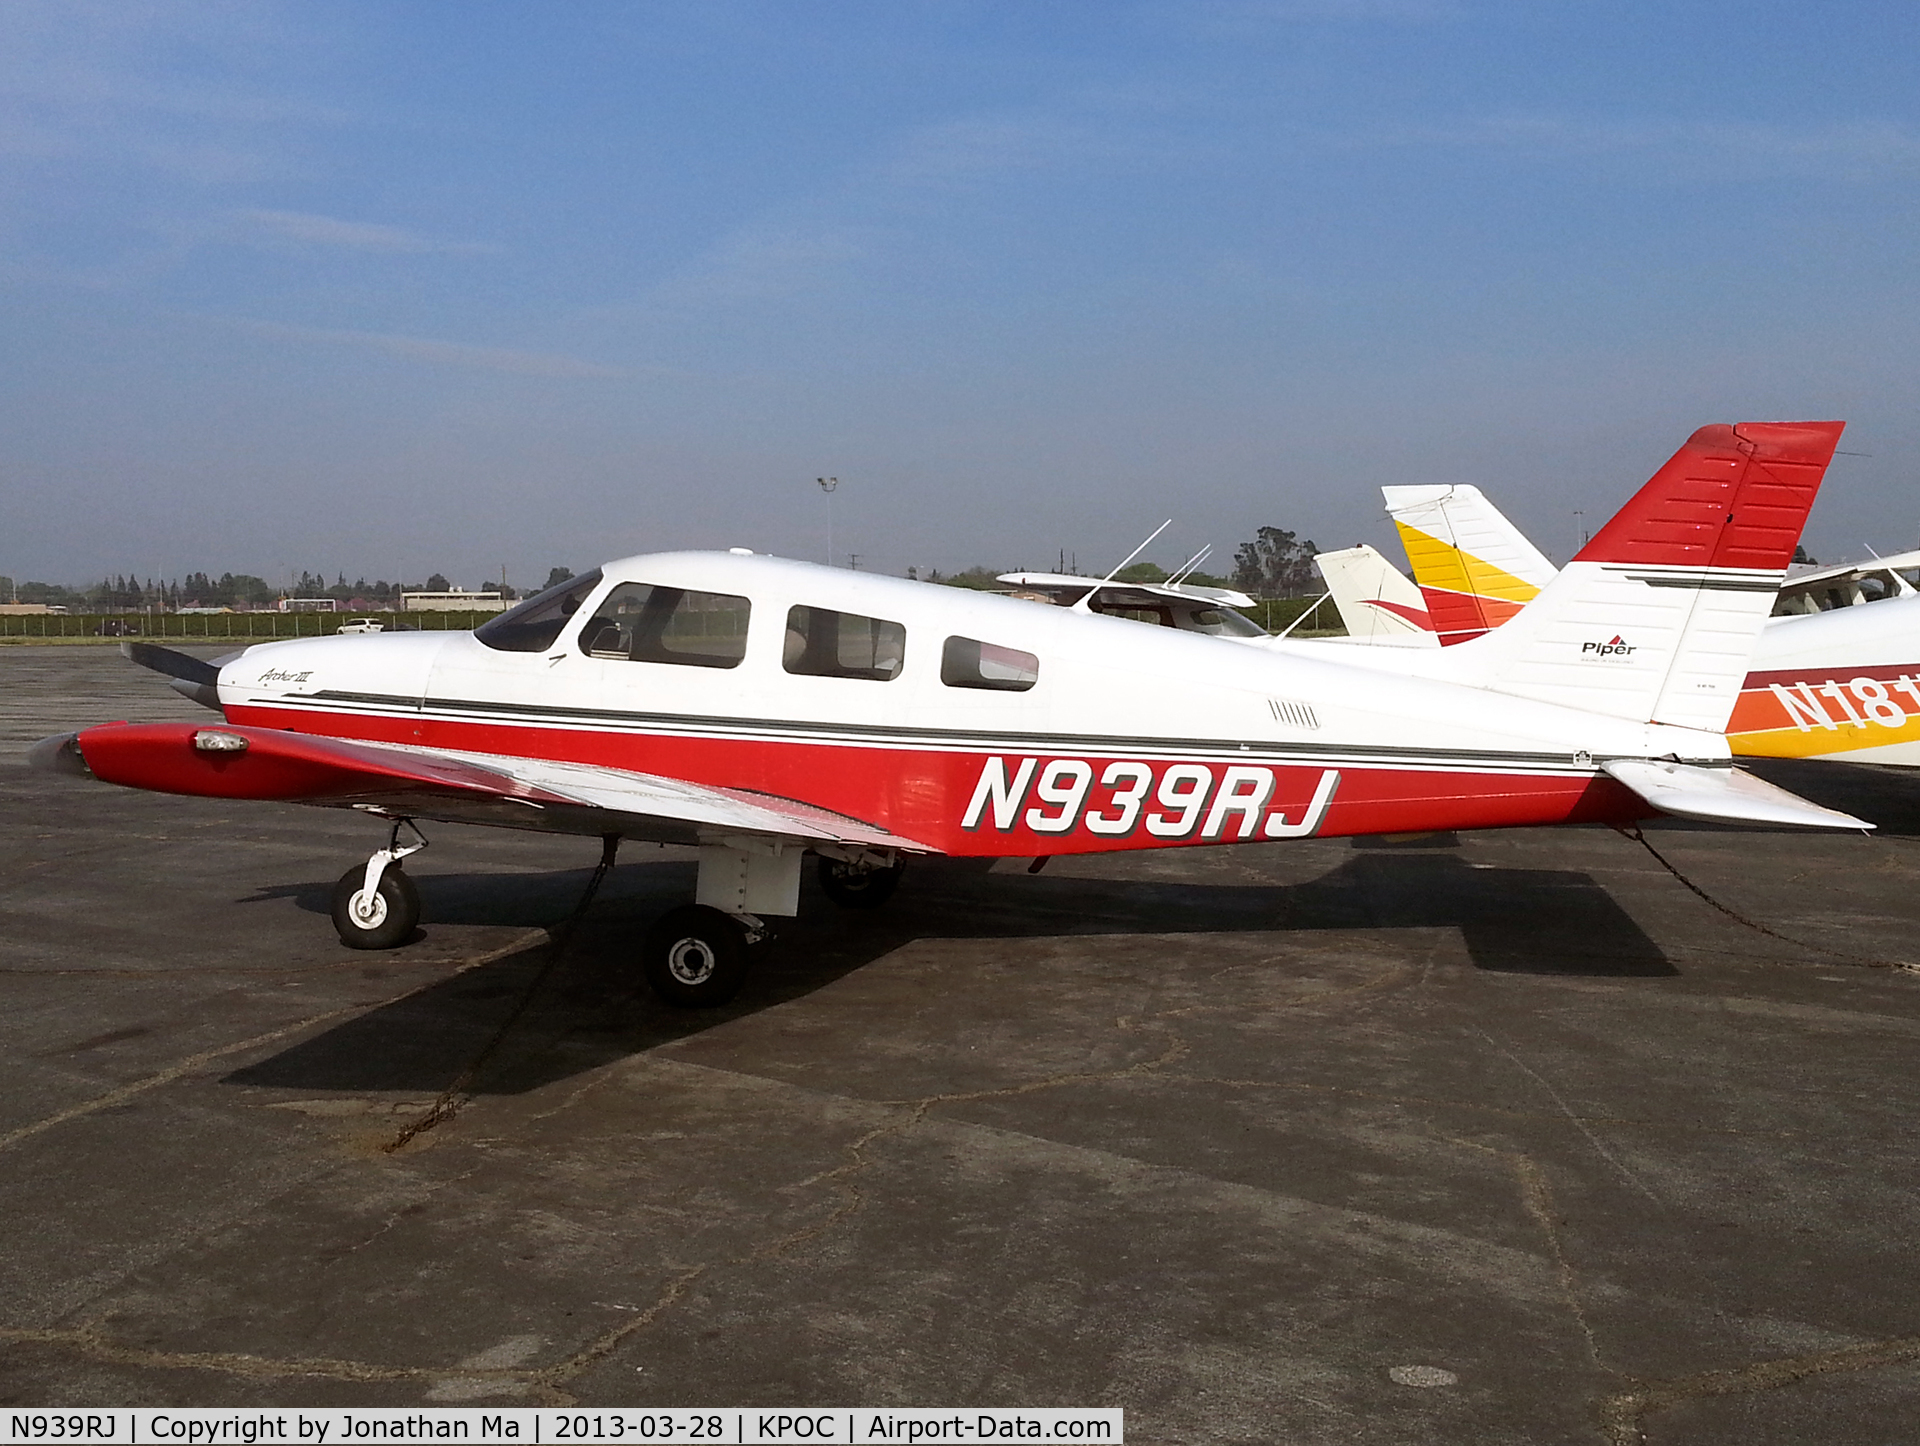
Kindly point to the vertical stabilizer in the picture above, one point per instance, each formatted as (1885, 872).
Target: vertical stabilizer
(1657, 618)
(1377, 603)
(1475, 568)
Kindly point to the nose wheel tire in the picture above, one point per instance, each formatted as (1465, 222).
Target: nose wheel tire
(382, 920)
(852, 887)
(695, 957)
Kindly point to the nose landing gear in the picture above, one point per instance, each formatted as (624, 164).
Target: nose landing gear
(378, 907)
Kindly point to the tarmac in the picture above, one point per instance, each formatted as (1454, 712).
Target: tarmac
(1231, 1138)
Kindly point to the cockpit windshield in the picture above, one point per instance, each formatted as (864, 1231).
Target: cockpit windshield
(535, 624)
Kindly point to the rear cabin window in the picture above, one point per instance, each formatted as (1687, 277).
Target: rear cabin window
(1136, 613)
(1225, 623)
(640, 623)
(970, 663)
(533, 625)
(822, 643)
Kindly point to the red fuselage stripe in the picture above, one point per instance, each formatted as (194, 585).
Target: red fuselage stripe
(924, 792)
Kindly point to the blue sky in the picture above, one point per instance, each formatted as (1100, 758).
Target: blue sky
(379, 287)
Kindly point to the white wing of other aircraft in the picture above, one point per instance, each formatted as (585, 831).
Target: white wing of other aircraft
(1814, 590)
(1185, 606)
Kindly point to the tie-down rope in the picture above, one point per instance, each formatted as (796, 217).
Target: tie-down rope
(1633, 832)
(456, 1095)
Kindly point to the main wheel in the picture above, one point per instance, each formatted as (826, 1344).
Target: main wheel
(695, 957)
(852, 887)
(383, 920)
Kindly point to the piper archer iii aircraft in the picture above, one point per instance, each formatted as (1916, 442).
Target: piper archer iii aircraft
(762, 709)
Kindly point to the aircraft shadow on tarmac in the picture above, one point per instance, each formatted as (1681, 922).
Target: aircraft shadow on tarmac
(594, 1008)
(1888, 798)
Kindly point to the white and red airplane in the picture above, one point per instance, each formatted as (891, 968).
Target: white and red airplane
(763, 709)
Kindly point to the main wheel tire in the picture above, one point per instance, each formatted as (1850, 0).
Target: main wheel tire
(856, 888)
(384, 921)
(695, 957)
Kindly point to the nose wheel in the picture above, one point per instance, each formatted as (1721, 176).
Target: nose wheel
(377, 906)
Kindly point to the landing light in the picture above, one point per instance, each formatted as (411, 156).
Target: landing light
(212, 740)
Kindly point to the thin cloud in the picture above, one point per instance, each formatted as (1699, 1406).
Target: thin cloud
(467, 357)
(311, 230)
(1246, 15)
(767, 263)
(1855, 146)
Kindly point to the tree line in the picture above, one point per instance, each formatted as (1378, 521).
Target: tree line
(127, 593)
(1274, 563)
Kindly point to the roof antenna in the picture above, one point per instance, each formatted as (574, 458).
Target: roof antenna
(1140, 549)
(1190, 564)
(1084, 603)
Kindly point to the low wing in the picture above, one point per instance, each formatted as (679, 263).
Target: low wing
(1723, 795)
(269, 763)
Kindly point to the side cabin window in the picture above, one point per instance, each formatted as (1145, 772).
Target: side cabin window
(1156, 616)
(970, 663)
(532, 626)
(640, 623)
(822, 643)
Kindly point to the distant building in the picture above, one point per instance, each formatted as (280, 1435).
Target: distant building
(308, 605)
(451, 602)
(27, 609)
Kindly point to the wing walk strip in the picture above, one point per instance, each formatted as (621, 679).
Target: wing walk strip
(867, 735)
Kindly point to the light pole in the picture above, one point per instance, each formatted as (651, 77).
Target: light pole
(827, 484)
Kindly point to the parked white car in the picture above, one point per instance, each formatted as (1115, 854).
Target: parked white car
(362, 625)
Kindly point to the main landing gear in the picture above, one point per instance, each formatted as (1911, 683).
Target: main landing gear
(695, 956)
(377, 906)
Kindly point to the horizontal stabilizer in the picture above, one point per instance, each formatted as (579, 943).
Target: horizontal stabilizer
(1723, 795)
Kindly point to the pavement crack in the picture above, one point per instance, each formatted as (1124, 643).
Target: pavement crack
(193, 1062)
(552, 1380)
(168, 1075)
(1621, 1414)
(1536, 1198)
(1477, 1107)
(1566, 1109)
(92, 1343)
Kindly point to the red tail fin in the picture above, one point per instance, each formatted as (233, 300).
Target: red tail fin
(1733, 496)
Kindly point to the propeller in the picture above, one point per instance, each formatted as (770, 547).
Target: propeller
(195, 678)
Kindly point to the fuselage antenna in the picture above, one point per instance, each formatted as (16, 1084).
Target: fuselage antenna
(1180, 572)
(1140, 549)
